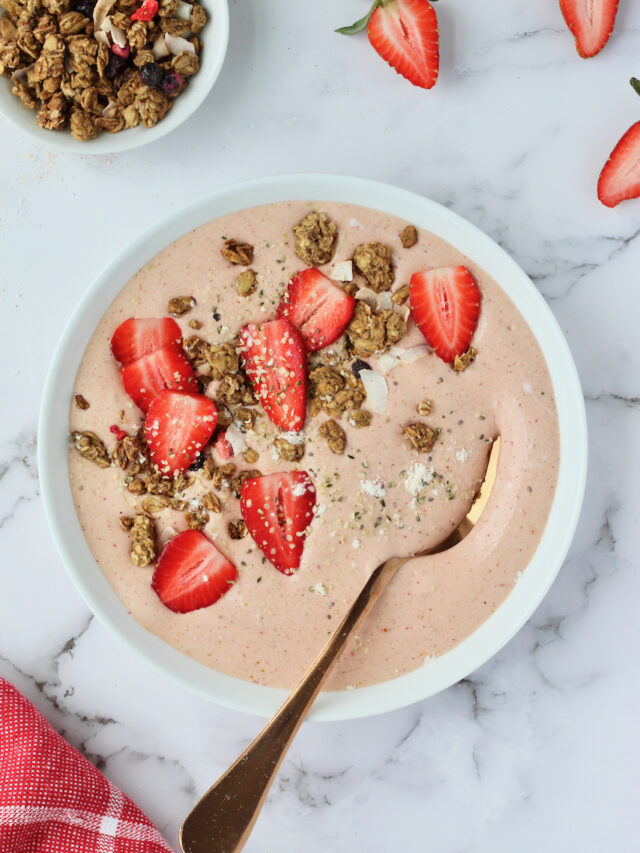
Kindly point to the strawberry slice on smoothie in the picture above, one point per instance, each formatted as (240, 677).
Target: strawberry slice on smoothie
(274, 357)
(278, 510)
(177, 428)
(317, 307)
(137, 337)
(191, 573)
(147, 376)
(445, 304)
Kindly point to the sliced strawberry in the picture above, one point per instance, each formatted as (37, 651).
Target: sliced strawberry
(177, 427)
(405, 34)
(135, 338)
(445, 304)
(591, 22)
(191, 573)
(145, 377)
(620, 177)
(319, 309)
(277, 510)
(273, 355)
(223, 447)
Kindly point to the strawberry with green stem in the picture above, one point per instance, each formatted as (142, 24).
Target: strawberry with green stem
(620, 177)
(405, 34)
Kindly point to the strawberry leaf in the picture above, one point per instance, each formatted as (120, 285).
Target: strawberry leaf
(635, 85)
(361, 24)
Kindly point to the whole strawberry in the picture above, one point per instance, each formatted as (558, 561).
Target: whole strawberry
(405, 34)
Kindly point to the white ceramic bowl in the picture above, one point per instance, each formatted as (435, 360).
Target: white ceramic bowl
(528, 592)
(215, 38)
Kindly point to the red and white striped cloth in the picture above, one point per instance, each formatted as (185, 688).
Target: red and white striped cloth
(52, 800)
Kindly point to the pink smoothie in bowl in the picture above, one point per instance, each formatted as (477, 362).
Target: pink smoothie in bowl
(378, 498)
(395, 442)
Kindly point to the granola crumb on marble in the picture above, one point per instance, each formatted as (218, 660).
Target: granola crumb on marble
(315, 238)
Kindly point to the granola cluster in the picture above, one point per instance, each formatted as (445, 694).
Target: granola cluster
(96, 66)
(371, 332)
(334, 391)
(315, 238)
(373, 262)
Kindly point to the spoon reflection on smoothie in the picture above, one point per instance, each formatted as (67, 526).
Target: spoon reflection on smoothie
(222, 820)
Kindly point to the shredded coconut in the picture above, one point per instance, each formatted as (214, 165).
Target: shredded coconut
(319, 588)
(462, 455)
(418, 477)
(375, 488)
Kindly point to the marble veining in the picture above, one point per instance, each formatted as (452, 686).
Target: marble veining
(538, 748)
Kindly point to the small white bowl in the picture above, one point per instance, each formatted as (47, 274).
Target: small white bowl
(53, 434)
(215, 38)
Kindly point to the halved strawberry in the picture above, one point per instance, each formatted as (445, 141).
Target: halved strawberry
(145, 377)
(135, 338)
(591, 22)
(277, 510)
(318, 308)
(620, 177)
(191, 573)
(445, 304)
(274, 357)
(177, 427)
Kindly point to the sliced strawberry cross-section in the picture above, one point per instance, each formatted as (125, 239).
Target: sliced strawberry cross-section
(191, 573)
(274, 357)
(620, 177)
(177, 427)
(137, 337)
(318, 308)
(445, 304)
(277, 510)
(405, 34)
(145, 377)
(591, 22)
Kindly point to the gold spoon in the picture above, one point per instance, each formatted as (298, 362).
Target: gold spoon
(222, 820)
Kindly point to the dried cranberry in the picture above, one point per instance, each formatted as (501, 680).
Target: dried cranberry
(120, 51)
(115, 66)
(359, 365)
(86, 7)
(152, 75)
(171, 83)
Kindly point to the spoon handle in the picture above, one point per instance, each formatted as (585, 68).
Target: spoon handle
(223, 819)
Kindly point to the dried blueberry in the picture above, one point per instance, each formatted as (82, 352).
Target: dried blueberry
(115, 66)
(152, 75)
(359, 365)
(171, 83)
(86, 7)
(199, 463)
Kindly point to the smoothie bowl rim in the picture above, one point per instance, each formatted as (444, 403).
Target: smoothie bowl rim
(541, 570)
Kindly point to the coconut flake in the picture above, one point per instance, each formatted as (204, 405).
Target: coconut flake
(109, 110)
(410, 355)
(101, 37)
(384, 301)
(418, 478)
(20, 73)
(160, 50)
(119, 37)
(375, 488)
(177, 45)
(387, 362)
(365, 294)
(376, 389)
(100, 12)
(342, 271)
(236, 439)
(184, 10)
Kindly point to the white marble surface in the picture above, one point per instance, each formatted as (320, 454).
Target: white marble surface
(536, 751)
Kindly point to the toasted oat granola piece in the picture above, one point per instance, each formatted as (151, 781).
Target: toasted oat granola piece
(461, 362)
(143, 540)
(288, 451)
(81, 402)
(224, 415)
(246, 283)
(195, 324)
(360, 418)
(247, 417)
(373, 261)
(126, 522)
(198, 18)
(424, 407)
(211, 502)
(223, 475)
(180, 305)
(237, 253)
(400, 295)
(53, 114)
(89, 446)
(169, 486)
(315, 238)
(250, 455)
(409, 236)
(236, 483)
(197, 519)
(236, 389)
(153, 504)
(334, 435)
(237, 529)
(130, 454)
(421, 436)
(137, 486)
(331, 392)
(82, 125)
